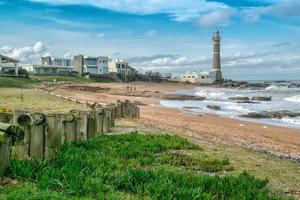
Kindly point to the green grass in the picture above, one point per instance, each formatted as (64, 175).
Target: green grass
(68, 79)
(7, 82)
(131, 166)
(35, 101)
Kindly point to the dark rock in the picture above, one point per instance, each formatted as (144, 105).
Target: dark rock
(261, 98)
(190, 107)
(182, 97)
(239, 98)
(213, 107)
(246, 101)
(138, 103)
(273, 114)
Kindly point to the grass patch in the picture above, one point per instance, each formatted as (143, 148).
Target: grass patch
(67, 79)
(130, 166)
(28, 99)
(8, 82)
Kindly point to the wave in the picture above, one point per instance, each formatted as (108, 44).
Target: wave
(295, 98)
(276, 88)
(211, 95)
(295, 120)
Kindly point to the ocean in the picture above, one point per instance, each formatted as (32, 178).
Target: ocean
(285, 96)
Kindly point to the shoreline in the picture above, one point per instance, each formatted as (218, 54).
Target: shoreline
(278, 141)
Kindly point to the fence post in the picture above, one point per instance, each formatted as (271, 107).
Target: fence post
(69, 127)
(91, 125)
(81, 125)
(53, 135)
(106, 120)
(21, 150)
(37, 137)
(4, 153)
(113, 114)
(99, 121)
(119, 109)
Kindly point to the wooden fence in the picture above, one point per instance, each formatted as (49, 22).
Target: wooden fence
(43, 134)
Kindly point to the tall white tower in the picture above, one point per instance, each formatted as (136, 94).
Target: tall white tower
(216, 67)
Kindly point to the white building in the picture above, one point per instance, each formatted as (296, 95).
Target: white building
(96, 65)
(92, 65)
(197, 77)
(8, 64)
(120, 67)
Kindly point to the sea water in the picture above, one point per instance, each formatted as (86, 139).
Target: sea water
(285, 96)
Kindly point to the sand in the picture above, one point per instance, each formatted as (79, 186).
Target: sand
(278, 141)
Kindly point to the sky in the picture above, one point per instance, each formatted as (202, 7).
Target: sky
(260, 38)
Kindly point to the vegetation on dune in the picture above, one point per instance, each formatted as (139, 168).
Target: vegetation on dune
(28, 99)
(130, 166)
(8, 82)
(70, 79)
(13, 82)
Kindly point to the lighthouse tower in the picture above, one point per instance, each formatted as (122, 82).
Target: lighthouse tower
(216, 67)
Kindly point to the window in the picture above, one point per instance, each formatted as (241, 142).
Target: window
(183, 76)
(90, 61)
(202, 77)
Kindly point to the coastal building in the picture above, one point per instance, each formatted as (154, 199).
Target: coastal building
(8, 65)
(208, 77)
(53, 66)
(92, 65)
(121, 67)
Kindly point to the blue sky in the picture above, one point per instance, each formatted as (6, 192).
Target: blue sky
(260, 38)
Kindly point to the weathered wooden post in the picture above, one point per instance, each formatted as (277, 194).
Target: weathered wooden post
(37, 136)
(69, 127)
(91, 126)
(113, 114)
(99, 120)
(128, 109)
(106, 120)
(9, 135)
(137, 110)
(53, 135)
(123, 109)
(21, 150)
(119, 109)
(4, 153)
(81, 125)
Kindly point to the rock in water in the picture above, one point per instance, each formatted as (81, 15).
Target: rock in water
(261, 98)
(273, 114)
(182, 97)
(213, 107)
(239, 98)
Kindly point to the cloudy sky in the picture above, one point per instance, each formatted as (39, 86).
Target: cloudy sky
(260, 38)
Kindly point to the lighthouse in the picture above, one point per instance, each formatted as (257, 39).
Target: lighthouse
(216, 66)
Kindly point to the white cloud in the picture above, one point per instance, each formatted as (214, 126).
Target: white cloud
(151, 33)
(220, 16)
(178, 10)
(285, 8)
(27, 53)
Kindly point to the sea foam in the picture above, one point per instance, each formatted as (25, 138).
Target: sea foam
(295, 99)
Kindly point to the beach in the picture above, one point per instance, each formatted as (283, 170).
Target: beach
(278, 141)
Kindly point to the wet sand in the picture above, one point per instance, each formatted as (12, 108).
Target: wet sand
(278, 141)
